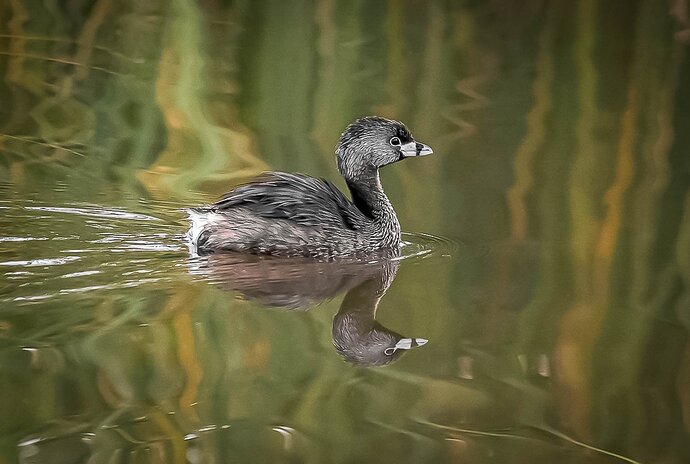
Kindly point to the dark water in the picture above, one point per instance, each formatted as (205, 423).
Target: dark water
(547, 257)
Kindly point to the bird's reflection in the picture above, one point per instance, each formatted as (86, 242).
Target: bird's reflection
(301, 284)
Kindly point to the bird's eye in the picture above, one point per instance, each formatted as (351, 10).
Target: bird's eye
(395, 141)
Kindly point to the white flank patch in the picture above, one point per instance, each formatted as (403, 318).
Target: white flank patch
(200, 222)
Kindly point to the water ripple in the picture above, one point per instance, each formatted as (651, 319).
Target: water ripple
(85, 250)
(23, 239)
(41, 262)
(100, 213)
(420, 246)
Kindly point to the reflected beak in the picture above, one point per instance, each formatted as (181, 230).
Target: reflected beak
(409, 343)
(414, 149)
(406, 344)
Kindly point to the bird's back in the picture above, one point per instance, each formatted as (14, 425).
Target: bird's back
(280, 214)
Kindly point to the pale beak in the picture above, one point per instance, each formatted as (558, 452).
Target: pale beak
(406, 344)
(414, 149)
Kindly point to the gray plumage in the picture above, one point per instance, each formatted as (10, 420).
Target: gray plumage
(297, 215)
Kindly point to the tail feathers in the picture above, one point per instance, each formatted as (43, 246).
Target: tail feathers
(201, 220)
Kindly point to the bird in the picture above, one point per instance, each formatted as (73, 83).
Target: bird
(291, 214)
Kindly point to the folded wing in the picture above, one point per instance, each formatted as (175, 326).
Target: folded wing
(305, 200)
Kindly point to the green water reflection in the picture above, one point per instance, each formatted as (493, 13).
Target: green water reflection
(557, 326)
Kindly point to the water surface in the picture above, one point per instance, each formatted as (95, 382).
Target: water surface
(547, 256)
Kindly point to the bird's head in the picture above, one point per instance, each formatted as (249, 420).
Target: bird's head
(372, 142)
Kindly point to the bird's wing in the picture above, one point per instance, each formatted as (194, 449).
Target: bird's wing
(306, 200)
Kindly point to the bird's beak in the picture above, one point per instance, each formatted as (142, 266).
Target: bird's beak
(415, 149)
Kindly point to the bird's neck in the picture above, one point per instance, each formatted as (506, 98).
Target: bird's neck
(368, 196)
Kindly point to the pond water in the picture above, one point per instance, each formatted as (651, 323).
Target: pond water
(539, 312)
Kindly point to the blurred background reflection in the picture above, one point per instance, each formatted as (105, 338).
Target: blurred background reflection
(553, 287)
